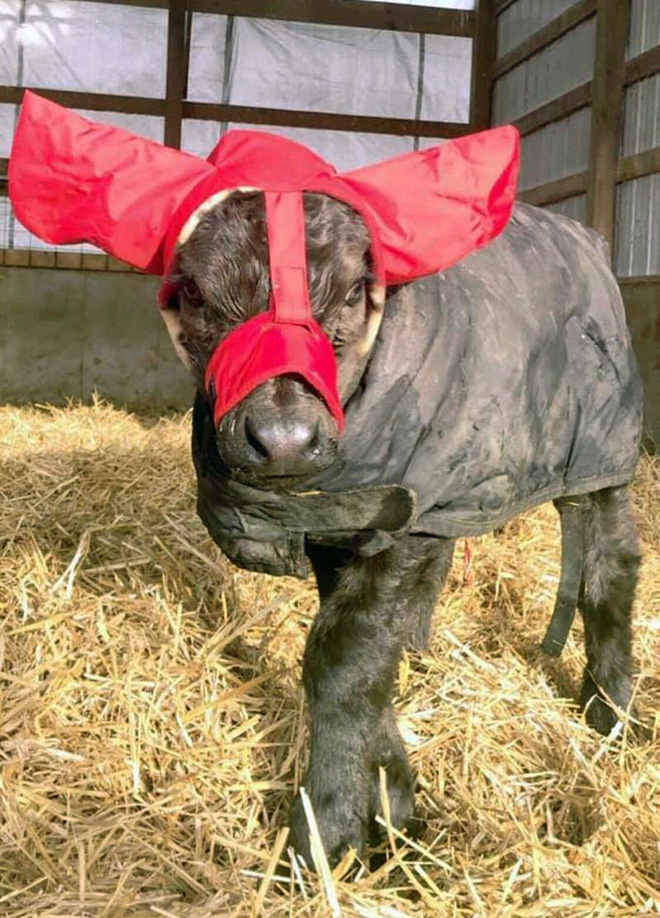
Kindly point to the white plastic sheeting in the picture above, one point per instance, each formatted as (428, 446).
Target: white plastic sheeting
(7, 120)
(345, 150)
(108, 48)
(324, 68)
(333, 69)
(206, 69)
(439, 4)
(95, 47)
(9, 24)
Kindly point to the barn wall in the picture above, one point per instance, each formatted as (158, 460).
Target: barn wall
(642, 301)
(69, 333)
(563, 71)
(560, 148)
(637, 249)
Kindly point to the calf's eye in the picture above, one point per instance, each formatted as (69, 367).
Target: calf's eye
(191, 293)
(355, 293)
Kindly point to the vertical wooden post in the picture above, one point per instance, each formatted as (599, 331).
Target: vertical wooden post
(484, 52)
(177, 68)
(613, 18)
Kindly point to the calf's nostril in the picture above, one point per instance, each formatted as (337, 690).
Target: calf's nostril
(278, 440)
(252, 435)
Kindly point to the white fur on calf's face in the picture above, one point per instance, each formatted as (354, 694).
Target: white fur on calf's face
(172, 321)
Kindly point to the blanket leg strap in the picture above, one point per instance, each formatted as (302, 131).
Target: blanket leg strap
(572, 519)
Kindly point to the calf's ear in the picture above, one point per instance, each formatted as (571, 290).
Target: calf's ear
(171, 314)
(433, 207)
(73, 180)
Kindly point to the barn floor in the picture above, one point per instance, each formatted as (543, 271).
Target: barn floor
(152, 724)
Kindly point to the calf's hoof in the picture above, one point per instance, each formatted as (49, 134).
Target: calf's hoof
(341, 826)
(599, 713)
(400, 796)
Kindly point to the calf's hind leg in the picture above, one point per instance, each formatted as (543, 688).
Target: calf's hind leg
(611, 564)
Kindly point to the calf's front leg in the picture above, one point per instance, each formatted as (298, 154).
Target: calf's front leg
(348, 669)
(369, 608)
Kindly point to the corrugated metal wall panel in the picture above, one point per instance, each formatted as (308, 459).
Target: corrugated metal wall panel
(644, 27)
(641, 116)
(575, 208)
(637, 243)
(562, 66)
(557, 150)
(524, 18)
(638, 227)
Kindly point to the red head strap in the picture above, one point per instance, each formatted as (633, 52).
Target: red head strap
(73, 180)
(286, 339)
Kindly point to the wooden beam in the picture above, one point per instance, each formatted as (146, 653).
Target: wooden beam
(96, 102)
(642, 66)
(483, 58)
(559, 108)
(638, 165)
(554, 30)
(375, 15)
(559, 190)
(327, 121)
(275, 117)
(355, 13)
(644, 279)
(177, 67)
(606, 114)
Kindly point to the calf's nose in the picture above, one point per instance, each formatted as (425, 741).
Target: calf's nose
(288, 444)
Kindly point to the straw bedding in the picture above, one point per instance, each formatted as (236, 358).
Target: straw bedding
(152, 726)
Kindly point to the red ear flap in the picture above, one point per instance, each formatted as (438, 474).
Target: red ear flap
(72, 180)
(436, 206)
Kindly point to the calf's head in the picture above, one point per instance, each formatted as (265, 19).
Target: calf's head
(281, 431)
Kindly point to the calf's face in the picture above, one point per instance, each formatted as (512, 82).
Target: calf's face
(282, 431)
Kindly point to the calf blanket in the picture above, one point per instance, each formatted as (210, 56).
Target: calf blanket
(502, 382)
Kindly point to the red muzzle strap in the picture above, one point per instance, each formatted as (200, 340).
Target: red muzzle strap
(286, 339)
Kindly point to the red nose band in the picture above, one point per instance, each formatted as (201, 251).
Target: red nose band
(286, 339)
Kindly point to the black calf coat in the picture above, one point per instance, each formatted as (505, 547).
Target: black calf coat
(500, 383)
